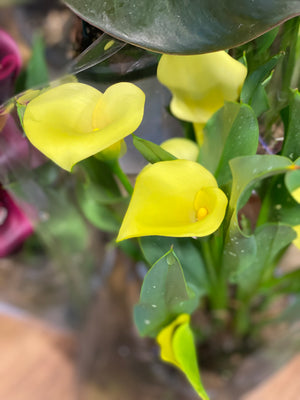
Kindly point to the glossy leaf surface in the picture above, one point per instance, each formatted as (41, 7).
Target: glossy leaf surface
(231, 132)
(185, 27)
(164, 295)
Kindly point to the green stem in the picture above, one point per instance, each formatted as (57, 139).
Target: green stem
(218, 292)
(122, 177)
(289, 40)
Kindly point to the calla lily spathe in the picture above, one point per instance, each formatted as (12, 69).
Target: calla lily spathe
(178, 198)
(178, 348)
(200, 84)
(74, 121)
(296, 241)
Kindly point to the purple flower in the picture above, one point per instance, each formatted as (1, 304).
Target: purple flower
(15, 226)
(10, 65)
(16, 152)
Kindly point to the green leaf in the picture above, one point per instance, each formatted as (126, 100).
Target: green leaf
(100, 180)
(281, 206)
(153, 247)
(185, 27)
(240, 249)
(185, 353)
(99, 196)
(270, 239)
(231, 132)
(104, 217)
(288, 283)
(253, 92)
(291, 144)
(264, 42)
(37, 71)
(164, 295)
(151, 151)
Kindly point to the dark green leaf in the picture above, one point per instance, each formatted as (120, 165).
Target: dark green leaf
(151, 151)
(164, 295)
(185, 27)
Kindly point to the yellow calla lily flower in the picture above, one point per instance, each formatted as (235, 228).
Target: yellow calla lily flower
(178, 198)
(74, 121)
(182, 148)
(165, 337)
(296, 194)
(200, 84)
(178, 348)
(296, 241)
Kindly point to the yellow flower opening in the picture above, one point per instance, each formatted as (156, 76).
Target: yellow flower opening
(178, 198)
(74, 121)
(200, 84)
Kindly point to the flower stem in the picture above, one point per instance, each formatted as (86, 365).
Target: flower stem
(122, 176)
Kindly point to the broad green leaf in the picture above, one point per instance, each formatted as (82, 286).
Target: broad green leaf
(151, 151)
(240, 249)
(231, 132)
(164, 295)
(185, 27)
(291, 144)
(153, 247)
(270, 239)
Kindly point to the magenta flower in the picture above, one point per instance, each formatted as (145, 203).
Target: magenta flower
(15, 226)
(16, 152)
(10, 65)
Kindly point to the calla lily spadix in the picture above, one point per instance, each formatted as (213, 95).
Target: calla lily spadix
(178, 198)
(74, 121)
(200, 84)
